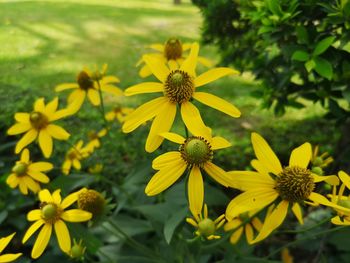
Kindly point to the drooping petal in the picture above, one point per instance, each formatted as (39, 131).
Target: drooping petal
(190, 63)
(31, 184)
(56, 196)
(330, 179)
(45, 143)
(166, 159)
(248, 180)
(57, 132)
(9, 257)
(66, 86)
(158, 47)
(161, 123)
(219, 143)
(165, 178)
(28, 138)
(45, 196)
(112, 89)
(42, 241)
(173, 137)
(265, 154)
(19, 128)
(62, 235)
(249, 233)
(250, 200)
(273, 221)
(218, 174)
(158, 69)
(212, 75)
(259, 167)
(298, 213)
(77, 98)
(193, 120)
(51, 107)
(204, 61)
(143, 113)
(39, 105)
(145, 71)
(236, 235)
(110, 79)
(25, 156)
(32, 229)
(69, 200)
(5, 241)
(39, 176)
(217, 103)
(22, 117)
(12, 180)
(145, 87)
(345, 178)
(76, 215)
(301, 156)
(195, 191)
(94, 97)
(34, 215)
(40, 166)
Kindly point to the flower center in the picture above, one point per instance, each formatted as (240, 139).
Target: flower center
(173, 49)
(179, 86)
(84, 81)
(50, 212)
(196, 151)
(295, 184)
(72, 154)
(20, 169)
(38, 120)
(92, 201)
(206, 227)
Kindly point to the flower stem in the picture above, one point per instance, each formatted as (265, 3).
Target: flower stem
(102, 103)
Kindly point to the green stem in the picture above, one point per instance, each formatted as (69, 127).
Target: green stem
(133, 243)
(102, 104)
(307, 229)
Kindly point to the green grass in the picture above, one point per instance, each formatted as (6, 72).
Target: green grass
(45, 43)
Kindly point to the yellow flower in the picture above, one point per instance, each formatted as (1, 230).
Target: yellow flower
(38, 124)
(88, 84)
(3, 244)
(118, 113)
(343, 213)
(27, 175)
(52, 214)
(178, 87)
(293, 184)
(94, 139)
(206, 227)
(74, 156)
(172, 53)
(247, 222)
(195, 153)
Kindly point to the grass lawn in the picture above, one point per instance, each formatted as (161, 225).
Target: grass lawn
(45, 43)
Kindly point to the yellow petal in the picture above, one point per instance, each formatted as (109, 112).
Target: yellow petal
(219, 143)
(69, 200)
(25, 156)
(5, 241)
(9, 257)
(330, 179)
(217, 103)
(248, 180)
(298, 213)
(42, 241)
(165, 178)
(338, 221)
(31, 184)
(195, 191)
(76, 215)
(62, 235)
(76, 99)
(301, 156)
(212, 75)
(166, 159)
(250, 200)
(345, 178)
(94, 97)
(257, 223)
(112, 89)
(56, 196)
(236, 235)
(218, 174)
(66, 86)
(173, 137)
(12, 180)
(34, 215)
(145, 87)
(193, 120)
(265, 155)
(172, 65)
(19, 128)
(190, 63)
(161, 123)
(273, 221)
(45, 196)
(22, 117)
(40, 166)
(205, 62)
(39, 105)
(158, 47)
(110, 79)
(45, 143)
(57, 132)
(232, 224)
(51, 107)
(249, 233)
(32, 229)
(145, 71)
(28, 138)
(23, 187)
(191, 222)
(39, 176)
(143, 113)
(159, 70)
(186, 46)
(259, 167)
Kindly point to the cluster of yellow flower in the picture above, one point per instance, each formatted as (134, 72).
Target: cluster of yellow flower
(270, 185)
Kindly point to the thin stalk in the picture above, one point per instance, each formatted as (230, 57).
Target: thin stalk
(102, 104)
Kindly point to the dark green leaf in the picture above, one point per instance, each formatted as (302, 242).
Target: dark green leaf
(172, 223)
(274, 6)
(323, 45)
(302, 35)
(323, 67)
(300, 55)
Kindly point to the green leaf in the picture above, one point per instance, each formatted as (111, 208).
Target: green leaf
(323, 45)
(323, 67)
(309, 65)
(300, 55)
(265, 29)
(172, 223)
(274, 7)
(302, 35)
